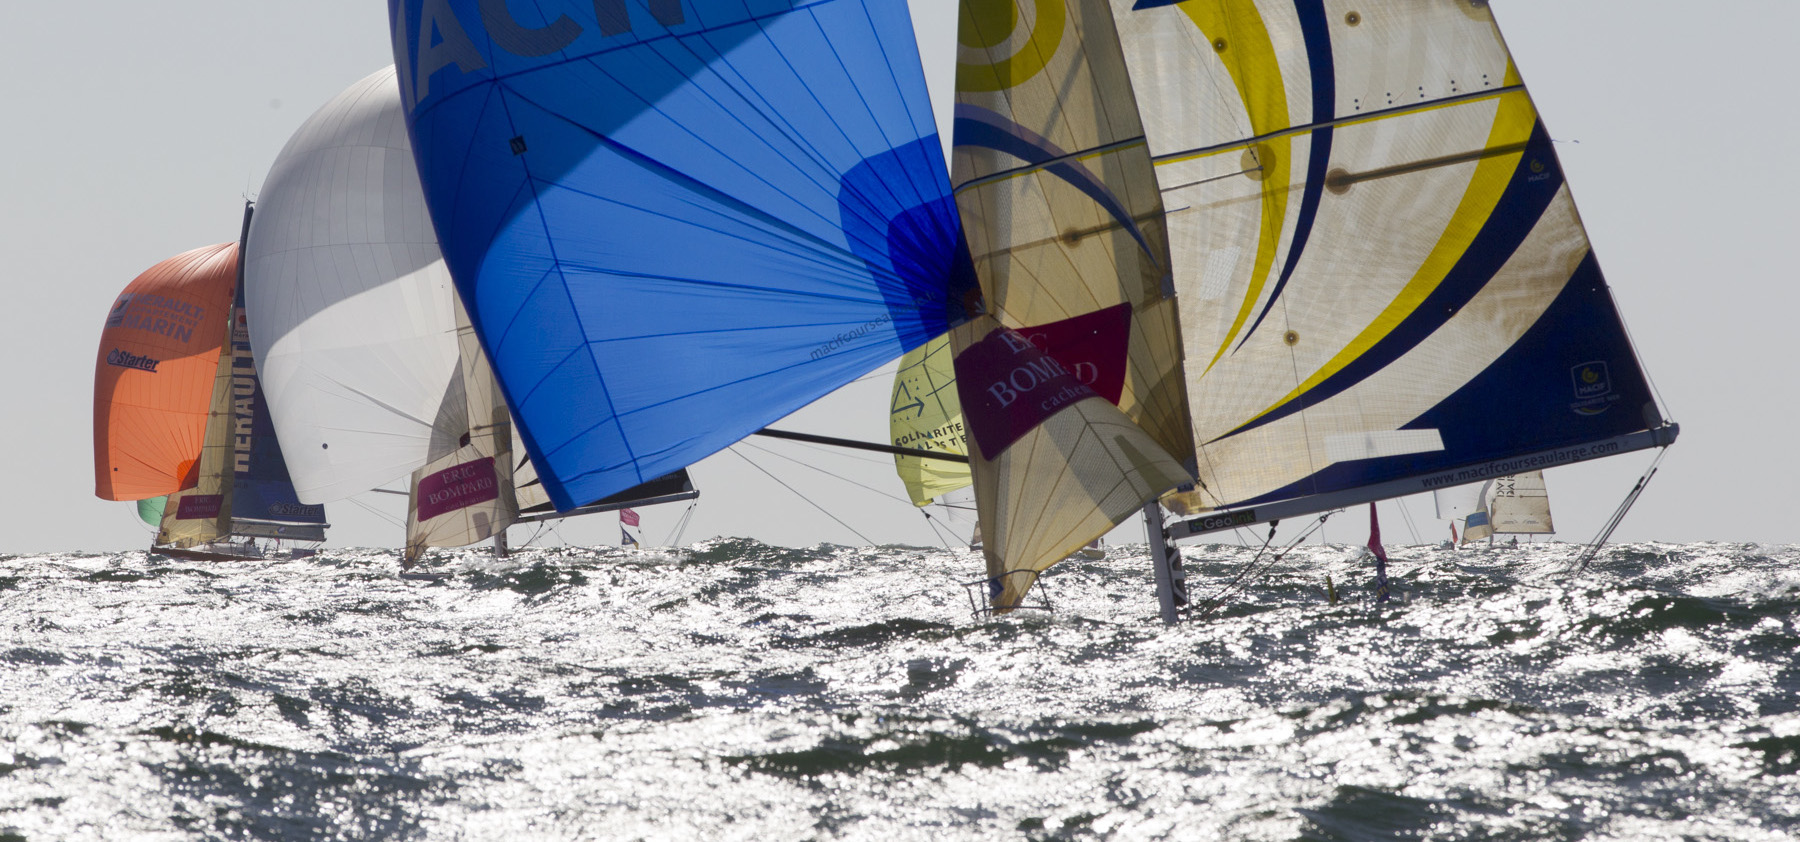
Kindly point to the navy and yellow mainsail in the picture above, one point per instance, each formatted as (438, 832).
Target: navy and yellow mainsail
(675, 221)
(1385, 286)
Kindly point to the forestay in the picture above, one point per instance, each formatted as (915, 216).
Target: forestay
(1385, 287)
(676, 221)
(1070, 380)
(350, 299)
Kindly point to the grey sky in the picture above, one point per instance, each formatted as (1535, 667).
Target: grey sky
(135, 129)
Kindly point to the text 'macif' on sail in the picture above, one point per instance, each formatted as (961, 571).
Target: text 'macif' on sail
(675, 221)
(1070, 380)
(1385, 287)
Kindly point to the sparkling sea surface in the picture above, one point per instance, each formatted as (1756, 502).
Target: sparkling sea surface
(745, 691)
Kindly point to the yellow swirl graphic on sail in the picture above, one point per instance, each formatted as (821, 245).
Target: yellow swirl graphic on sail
(1513, 122)
(1241, 39)
(992, 23)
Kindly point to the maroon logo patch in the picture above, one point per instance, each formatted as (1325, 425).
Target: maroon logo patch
(457, 488)
(200, 507)
(1012, 381)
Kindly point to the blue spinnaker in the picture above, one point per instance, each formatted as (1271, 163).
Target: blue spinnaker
(675, 221)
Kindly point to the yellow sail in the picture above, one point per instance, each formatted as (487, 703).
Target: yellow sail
(926, 415)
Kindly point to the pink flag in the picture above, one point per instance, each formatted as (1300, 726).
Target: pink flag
(628, 517)
(1381, 580)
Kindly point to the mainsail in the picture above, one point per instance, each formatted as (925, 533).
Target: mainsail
(1385, 286)
(1070, 377)
(675, 222)
(153, 378)
(264, 502)
(352, 305)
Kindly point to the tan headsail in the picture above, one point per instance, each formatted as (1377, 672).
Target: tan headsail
(465, 493)
(1070, 373)
(202, 514)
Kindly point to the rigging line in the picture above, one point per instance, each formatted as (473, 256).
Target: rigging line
(1365, 117)
(1207, 606)
(828, 473)
(1631, 342)
(1247, 575)
(934, 529)
(1593, 548)
(681, 527)
(378, 513)
(796, 493)
(861, 445)
(841, 453)
(1407, 516)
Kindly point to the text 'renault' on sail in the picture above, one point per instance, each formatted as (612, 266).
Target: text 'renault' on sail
(674, 223)
(1384, 285)
(1070, 377)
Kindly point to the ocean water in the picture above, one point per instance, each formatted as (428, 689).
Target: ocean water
(743, 691)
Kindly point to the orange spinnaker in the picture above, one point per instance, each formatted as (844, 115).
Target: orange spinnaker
(153, 380)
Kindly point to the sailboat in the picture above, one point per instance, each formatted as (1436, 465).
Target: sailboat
(1510, 505)
(1274, 258)
(175, 361)
(375, 373)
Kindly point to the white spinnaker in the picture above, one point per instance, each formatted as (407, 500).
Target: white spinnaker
(1427, 117)
(355, 335)
(1457, 503)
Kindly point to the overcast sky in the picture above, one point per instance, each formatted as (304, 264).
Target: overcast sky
(134, 131)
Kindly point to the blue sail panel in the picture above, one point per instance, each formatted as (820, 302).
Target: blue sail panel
(260, 486)
(676, 221)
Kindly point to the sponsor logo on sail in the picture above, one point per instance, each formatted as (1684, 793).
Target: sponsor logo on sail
(126, 359)
(156, 314)
(457, 487)
(295, 510)
(200, 507)
(1224, 520)
(1593, 388)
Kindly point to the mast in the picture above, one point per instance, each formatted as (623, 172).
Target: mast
(1162, 556)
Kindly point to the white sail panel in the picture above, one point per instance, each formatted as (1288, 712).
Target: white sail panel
(1064, 222)
(350, 300)
(1454, 504)
(1374, 247)
(1520, 504)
